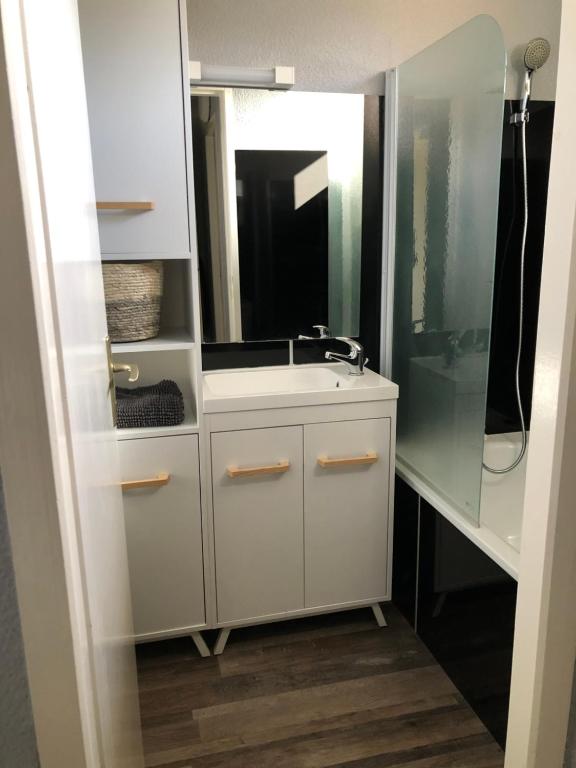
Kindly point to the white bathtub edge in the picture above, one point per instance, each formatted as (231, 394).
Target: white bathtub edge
(501, 553)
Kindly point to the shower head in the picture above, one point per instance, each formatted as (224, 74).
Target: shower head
(536, 53)
(535, 56)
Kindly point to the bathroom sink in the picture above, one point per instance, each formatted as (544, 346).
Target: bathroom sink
(465, 374)
(256, 382)
(279, 387)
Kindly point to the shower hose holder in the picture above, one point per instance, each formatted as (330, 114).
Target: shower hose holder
(518, 118)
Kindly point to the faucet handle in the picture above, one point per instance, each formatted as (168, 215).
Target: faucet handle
(324, 333)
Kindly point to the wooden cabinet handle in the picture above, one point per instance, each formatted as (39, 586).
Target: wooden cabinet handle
(151, 482)
(145, 205)
(266, 469)
(351, 461)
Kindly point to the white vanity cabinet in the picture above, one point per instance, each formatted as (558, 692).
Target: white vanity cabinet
(258, 522)
(135, 90)
(301, 509)
(164, 534)
(346, 511)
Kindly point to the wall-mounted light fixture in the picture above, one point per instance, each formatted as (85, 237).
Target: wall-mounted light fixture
(278, 78)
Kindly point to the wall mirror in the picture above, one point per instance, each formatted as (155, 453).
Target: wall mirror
(279, 196)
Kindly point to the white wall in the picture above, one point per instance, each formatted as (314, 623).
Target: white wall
(570, 756)
(345, 45)
(17, 735)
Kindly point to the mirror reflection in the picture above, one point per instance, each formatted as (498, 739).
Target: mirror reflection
(278, 182)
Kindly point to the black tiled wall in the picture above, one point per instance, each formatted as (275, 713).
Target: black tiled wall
(405, 562)
(461, 603)
(246, 354)
(502, 411)
(306, 352)
(466, 611)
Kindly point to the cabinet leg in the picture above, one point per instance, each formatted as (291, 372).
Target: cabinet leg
(440, 601)
(378, 615)
(200, 644)
(221, 641)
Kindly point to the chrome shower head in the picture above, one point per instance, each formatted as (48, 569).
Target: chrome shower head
(535, 56)
(537, 53)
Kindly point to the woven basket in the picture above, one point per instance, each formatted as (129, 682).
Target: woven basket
(133, 293)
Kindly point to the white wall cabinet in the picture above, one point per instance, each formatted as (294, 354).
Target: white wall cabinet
(136, 72)
(134, 82)
(164, 535)
(315, 537)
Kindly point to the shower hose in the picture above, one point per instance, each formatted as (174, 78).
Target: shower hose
(521, 314)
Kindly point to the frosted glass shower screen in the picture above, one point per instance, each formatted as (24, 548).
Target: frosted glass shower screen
(450, 114)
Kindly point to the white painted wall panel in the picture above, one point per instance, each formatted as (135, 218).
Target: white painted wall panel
(17, 734)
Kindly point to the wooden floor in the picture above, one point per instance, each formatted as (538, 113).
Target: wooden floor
(329, 691)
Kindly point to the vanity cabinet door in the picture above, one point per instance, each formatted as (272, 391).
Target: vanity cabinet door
(258, 522)
(346, 511)
(134, 87)
(164, 533)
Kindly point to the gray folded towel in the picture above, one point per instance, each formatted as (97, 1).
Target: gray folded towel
(158, 405)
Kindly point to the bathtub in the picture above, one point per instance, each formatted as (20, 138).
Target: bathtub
(503, 495)
(499, 526)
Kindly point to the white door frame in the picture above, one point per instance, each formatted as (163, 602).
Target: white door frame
(34, 458)
(545, 636)
(225, 252)
(37, 480)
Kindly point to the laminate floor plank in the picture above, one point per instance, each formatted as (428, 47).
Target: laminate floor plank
(261, 732)
(325, 691)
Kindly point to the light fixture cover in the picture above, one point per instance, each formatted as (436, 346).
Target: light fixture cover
(278, 77)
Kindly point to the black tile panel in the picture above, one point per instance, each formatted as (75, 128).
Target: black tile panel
(466, 612)
(405, 549)
(502, 411)
(372, 206)
(246, 354)
(314, 351)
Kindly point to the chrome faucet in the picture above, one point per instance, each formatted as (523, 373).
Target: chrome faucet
(452, 349)
(323, 333)
(355, 360)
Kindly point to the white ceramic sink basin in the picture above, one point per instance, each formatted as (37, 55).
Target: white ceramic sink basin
(258, 382)
(467, 373)
(279, 387)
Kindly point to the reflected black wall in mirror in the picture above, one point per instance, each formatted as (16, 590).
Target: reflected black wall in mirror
(282, 245)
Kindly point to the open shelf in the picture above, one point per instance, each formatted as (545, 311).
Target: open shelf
(188, 427)
(174, 353)
(166, 341)
(176, 322)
